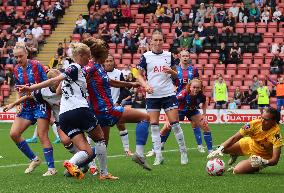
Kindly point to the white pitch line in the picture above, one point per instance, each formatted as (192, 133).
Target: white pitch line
(111, 156)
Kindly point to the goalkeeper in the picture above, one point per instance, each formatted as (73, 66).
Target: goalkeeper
(260, 139)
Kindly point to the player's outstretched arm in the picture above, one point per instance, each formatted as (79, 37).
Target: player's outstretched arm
(143, 82)
(121, 84)
(48, 83)
(17, 102)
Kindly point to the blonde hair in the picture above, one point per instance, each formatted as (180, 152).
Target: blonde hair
(194, 80)
(78, 48)
(20, 45)
(52, 73)
(99, 49)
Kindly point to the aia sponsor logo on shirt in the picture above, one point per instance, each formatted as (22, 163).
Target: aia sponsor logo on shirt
(159, 69)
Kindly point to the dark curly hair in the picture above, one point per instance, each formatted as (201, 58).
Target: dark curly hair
(99, 49)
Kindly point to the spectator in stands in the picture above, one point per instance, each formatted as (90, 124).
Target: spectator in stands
(265, 15)
(160, 11)
(30, 13)
(92, 24)
(126, 13)
(2, 74)
(255, 83)
(17, 30)
(3, 15)
(115, 35)
(50, 16)
(112, 3)
(211, 11)
(185, 41)
(275, 48)
(249, 97)
(259, 3)
(234, 10)
(81, 25)
(10, 77)
(235, 54)
(139, 101)
(277, 15)
(11, 41)
(11, 15)
(232, 104)
(3, 41)
(200, 14)
(191, 15)
(55, 62)
(177, 15)
(59, 9)
(223, 52)
(168, 16)
(229, 24)
(60, 50)
(238, 96)
(41, 16)
(105, 33)
(276, 64)
(211, 34)
(126, 71)
(254, 13)
(38, 33)
(138, 31)
(142, 44)
(31, 46)
(243, 13)
(201, 31)
(108, 16)
(14, 2)
(178, 31)
(221, 14)
(197, 46)
(129, 44)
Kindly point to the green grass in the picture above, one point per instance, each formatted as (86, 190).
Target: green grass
(170, 177)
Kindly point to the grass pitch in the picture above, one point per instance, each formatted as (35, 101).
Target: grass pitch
(170, 177)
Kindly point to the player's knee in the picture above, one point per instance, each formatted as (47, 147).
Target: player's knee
(14, 135)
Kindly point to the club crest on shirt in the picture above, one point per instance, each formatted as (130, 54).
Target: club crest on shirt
(246, 126)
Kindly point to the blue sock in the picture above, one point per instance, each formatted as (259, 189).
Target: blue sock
(142, 132)
(165, 137)
(48, 154)
(208, 140)
(24, 147)
(198, 135)
(89, 159)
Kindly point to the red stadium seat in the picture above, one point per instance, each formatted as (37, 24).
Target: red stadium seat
(247, 58)
(219, 26)
(245, 107)
(208, 69)
(263, 48)
(203, 58)
(240, 28)
(139, 18)
(166, 47)
(170, 38)
(112, 45)
(261, 27)
(267, 37)
(268, 58)
(265, 69)
(165, 28)
(214, 58)
(278, 37)
(231, 69)
(272, 27)
(250, 27)
(193, 58)
(186, 8)
(117, 58)
(220, 69)
(76, 37)
(5, 90)
(258, 58)
(244, 88)
(242, 69)
(253, 69)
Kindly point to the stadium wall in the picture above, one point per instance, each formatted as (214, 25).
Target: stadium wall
(226, 116)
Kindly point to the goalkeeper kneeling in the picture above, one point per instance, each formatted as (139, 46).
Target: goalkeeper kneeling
(260, 139)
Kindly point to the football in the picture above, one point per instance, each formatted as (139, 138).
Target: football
(215, 167)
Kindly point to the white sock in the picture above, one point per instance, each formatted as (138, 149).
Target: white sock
(79, 157)
(218, 116)
(124, 139)
(140, 150)
(102, 157)
(156, 139)
(90, 141)
(54, 129)
(179, 136)
(92, 164)
(35, 132)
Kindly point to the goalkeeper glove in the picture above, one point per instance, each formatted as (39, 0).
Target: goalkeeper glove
(218, 152)
(257, 161)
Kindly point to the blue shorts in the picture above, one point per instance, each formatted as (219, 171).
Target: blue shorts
(280, 102)
(166, 103)
(263, 105)
(77, 121)
(40, 111)
(111, 117)
(219, 104)
(187, 114)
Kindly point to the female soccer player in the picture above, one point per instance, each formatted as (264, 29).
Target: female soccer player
(29, 72)
(159, 67)
(75, 117)
(189, 101)
(98, 84)
(185, 73)
(260, 139)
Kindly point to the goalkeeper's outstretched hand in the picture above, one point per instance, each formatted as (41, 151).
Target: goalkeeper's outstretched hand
(218, 152)
(257, 161)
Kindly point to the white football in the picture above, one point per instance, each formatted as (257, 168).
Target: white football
(215, 167)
